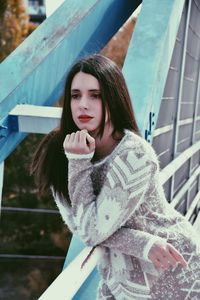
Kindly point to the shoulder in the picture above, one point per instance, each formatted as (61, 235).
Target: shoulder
(138, 148)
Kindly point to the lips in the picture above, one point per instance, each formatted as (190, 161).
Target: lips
(85, 118)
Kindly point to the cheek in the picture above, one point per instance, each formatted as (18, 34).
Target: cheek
(73, 107)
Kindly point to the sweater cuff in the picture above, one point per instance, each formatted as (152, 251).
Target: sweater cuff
(70, 155)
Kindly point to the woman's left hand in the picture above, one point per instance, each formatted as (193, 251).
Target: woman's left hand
(164, 255)
(79, 143)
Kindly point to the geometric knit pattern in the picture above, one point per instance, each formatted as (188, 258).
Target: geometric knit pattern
(119, 204)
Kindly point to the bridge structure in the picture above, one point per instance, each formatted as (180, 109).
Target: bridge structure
(162, 71)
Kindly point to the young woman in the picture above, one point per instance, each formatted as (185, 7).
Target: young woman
(105, 180)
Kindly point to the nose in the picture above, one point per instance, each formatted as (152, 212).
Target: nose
(84, 102)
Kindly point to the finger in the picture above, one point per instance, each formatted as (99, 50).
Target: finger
(159, 259)
(91, 142)
(77, 138)
(163, 261)
(176, 254)
(156, 257)
(171, 260)
(72, 137)
(90, 139)
(159, 264)
(83, 139)
(66, 140)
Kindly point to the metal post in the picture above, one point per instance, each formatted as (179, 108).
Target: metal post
(197, 97)
(1, 182)
(174, 154)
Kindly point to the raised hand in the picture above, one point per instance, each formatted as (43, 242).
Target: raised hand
(79, 142)
(164, 255)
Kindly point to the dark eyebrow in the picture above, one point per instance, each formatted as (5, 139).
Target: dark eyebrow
(75, 90)
(92, 90)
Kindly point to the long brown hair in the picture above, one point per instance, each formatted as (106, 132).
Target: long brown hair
(49, 164)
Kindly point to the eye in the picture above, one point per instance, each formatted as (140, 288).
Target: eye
(75, 96)
(96, 96)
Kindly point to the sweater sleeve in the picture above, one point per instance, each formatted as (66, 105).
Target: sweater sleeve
(127, 240)
(132, 242)
(65, 211)
(127, 181)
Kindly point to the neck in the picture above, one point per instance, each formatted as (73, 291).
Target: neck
(106, 144)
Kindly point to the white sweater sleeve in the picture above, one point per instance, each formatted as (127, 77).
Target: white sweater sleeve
(132, 242)
(124, 189)
(127, 240)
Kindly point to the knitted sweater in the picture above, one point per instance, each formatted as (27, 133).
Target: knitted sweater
(119, 204)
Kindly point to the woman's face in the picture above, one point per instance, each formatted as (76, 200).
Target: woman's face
(86, 104)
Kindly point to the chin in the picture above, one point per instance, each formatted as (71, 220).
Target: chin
(89, 128)
(81, 127)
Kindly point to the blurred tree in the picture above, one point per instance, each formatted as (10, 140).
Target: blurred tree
(117, 47)
(14, 25)
(3, 6)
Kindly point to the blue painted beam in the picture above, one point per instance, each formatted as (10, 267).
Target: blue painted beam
(34, 73)
(148, 58)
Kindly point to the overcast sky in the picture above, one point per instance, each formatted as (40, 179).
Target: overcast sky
(52, 5)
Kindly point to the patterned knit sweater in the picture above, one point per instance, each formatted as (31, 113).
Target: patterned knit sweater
(119, 204)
